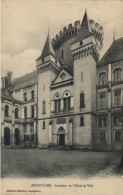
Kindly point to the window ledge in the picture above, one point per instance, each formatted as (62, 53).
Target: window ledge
(28, 101)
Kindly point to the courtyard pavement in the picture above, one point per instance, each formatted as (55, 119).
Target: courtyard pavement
(30, 163)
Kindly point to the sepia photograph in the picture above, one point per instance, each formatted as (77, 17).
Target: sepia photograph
(61, 97)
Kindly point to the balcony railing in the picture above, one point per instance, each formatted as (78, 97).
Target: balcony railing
(62, 111)
(7, 118)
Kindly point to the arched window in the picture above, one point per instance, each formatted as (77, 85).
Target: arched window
(44, 107)
(102, 79)
(16, 112)
(6, 110)
(57, 100)
(81, 121)
(43, 127)
(25, 96)
(102, 136)
(82, 102)
(117, 136)
(67, 100)
(32, 94)
(117, 75)
(117, 98)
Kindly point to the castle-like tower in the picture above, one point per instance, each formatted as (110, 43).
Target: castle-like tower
(85, 50)
(47, 68)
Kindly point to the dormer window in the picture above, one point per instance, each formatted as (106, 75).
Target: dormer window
(102, 79)
(25, 96)
(81, 42)
(62, 54)
(16, 113)
(32, 95)
(117, 75)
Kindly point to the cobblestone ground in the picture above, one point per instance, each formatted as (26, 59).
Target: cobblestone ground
(110, 169)
(30, 163)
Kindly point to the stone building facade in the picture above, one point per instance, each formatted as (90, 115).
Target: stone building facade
(72, 99)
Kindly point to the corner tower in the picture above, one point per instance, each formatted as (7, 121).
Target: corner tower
(85, 51)
(47, 69)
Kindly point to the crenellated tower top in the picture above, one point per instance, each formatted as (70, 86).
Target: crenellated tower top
(72, 30)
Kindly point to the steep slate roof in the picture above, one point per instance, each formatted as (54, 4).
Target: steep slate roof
(25, 81)
(114, 53)
(48, 49)
(84, 31)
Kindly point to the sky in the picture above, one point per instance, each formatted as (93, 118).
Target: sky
(25, 27)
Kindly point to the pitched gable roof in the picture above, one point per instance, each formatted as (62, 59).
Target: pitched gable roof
(64, 75)
(48, 49)
(25, 81)
(84, 31)
(114, 53)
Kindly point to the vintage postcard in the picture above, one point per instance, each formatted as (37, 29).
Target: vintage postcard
(61, 97)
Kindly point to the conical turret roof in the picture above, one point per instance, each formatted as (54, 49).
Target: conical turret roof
(48, 49)
(84, 31)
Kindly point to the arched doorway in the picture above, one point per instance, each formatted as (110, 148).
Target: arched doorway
(6, 136)
(61, 133)
(17, 135)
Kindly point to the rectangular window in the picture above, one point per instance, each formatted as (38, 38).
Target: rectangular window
(102, 79)
(24, 128)
(32, 138)
(65, 103)
(117, 98)
(117, 75)
(117, 121)
(25, 112)
(82, 105)
(31, 127)
(43, 125)
(103, 101)
(69, 103)
(32, 94)
(81, 121)
(25, 97)
(59, 105)
(81, 76)
(32, 111)
(55, 105)
(44, 107)
(102, 122)
(27, 137)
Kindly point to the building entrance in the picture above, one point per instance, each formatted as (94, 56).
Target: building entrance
(61, 133)
(61, 139)
(17, 140)
(6, 136)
